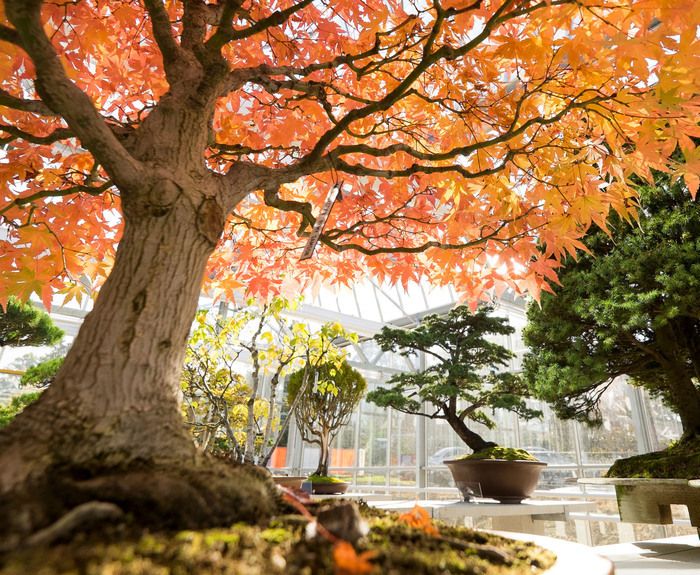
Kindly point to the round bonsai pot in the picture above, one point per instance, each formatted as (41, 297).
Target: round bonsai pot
(500, 479)
(291, 481)
(329, 488)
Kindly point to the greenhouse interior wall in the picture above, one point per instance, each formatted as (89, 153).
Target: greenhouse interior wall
(382, 451)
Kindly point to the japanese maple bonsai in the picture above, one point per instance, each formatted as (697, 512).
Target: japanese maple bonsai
(323, 399)
(465, 378)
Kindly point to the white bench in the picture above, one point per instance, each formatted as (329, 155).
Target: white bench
(525, 517)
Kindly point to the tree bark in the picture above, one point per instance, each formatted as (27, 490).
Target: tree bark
(115, 403)
(472, 439)
(682, 392)
(325, 455)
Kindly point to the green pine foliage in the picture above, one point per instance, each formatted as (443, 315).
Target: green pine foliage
(630, 307)
(42, 374)
(466, 378)
(24, 324)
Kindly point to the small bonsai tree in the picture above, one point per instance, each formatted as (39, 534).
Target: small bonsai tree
(324, 398)
(227, 412)
(223, 410)
(464, 380)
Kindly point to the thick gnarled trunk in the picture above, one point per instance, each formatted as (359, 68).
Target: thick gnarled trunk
(118, 388)
(114, 406)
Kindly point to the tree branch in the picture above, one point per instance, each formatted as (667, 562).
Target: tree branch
(15, 133)
(66, 99)
(224, 34)
(162, 32)
(93, 191)
(34, 106)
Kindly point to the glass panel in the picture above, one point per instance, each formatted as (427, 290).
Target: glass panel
(617, 436)
(374, 434)
(664, 423)
(403, 439)
(553, 441)
(402, 478)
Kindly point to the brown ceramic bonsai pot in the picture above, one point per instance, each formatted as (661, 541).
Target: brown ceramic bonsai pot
(324, 488)
(291, 481)
(500, 479)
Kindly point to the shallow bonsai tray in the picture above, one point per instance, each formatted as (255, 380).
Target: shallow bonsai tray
(329, 488)
(291, 481)
(642, 500)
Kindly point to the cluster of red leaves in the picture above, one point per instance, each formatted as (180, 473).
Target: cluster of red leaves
(419, 518)
(346, 559)
(350, 562)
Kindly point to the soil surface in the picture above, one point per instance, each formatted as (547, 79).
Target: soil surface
(282, 546)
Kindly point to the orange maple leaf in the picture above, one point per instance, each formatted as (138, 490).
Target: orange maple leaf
(419, 518)
(349, 562)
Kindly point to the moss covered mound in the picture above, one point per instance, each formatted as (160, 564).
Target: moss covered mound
(325, 479)
(282, 548)
(679, 461)
(506, 453)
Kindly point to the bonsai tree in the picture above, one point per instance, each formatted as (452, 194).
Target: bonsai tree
(465, 378)
(203, 137)
(323, 399)
(24, 324)
(234, 414)
(627, 307)
(223, 410)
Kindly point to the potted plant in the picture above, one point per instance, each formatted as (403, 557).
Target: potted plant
(323, 398)
(462, 383)
(629, 307)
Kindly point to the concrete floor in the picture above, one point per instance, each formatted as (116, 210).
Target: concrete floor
(670, 556)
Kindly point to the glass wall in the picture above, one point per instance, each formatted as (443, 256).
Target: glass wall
(390, 448)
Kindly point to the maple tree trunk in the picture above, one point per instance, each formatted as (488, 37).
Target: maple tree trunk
(114, 405)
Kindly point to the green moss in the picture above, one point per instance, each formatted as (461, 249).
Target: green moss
(279, 549)
(325, 479)
(679, 461)
(507, 453)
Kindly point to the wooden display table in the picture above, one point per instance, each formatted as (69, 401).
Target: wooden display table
(525, 517)
(649, 500)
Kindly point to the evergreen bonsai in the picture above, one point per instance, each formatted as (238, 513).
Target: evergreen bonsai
(24, 324)
(324, 398)
(629, 307)
(466, 377)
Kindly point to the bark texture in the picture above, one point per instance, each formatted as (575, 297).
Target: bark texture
(472, 439)
(109, 428)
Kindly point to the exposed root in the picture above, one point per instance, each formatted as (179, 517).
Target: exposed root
(82, 516)
(172, 496)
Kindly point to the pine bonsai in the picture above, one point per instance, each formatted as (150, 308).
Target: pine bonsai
(466, 378)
